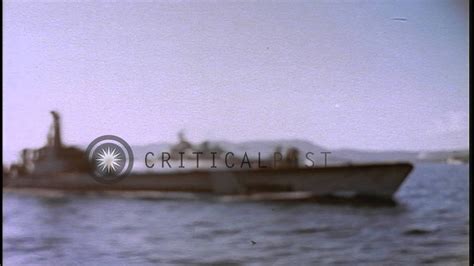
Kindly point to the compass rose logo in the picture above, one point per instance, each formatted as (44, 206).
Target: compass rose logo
(111, 159)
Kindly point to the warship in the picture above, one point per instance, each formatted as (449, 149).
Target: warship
(65, 168)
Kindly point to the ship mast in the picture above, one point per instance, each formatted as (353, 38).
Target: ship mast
(57, 143)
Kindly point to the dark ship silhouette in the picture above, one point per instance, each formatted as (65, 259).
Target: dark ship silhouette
(54, 158)
(56, 166)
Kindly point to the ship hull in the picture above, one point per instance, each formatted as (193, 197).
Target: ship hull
(369, 180)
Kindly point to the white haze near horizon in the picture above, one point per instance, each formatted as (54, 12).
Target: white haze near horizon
(378, 75)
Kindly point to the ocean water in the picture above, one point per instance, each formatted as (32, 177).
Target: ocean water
(429, 225)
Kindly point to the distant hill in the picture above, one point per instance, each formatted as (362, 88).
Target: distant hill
(337, 156)
(376, 156)
(139, 151)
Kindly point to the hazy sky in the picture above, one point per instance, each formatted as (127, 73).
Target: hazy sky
(338, 73)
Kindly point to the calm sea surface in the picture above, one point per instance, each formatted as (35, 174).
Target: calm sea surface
(428, 226)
